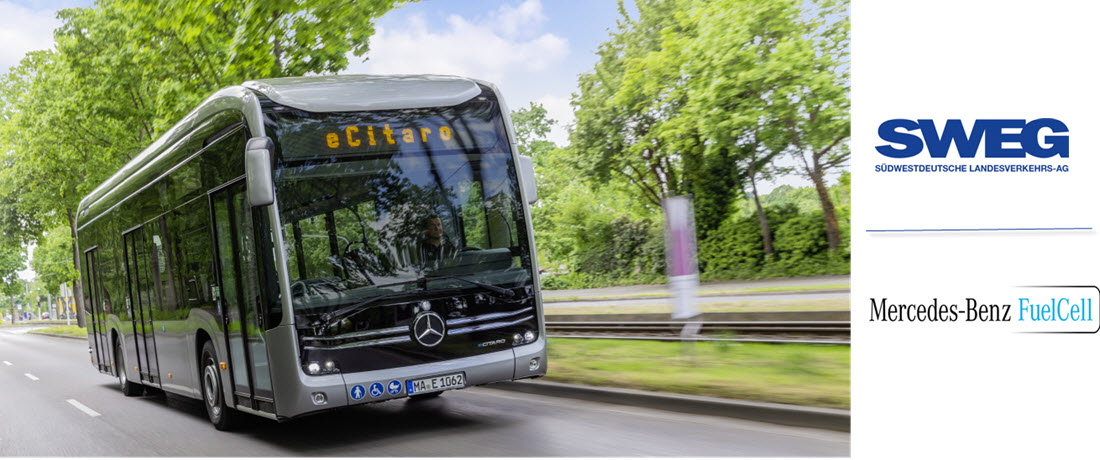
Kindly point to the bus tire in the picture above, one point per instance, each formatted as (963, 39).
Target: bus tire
(128, 388)
(223, 417)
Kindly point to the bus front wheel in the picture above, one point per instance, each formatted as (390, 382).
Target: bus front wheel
(128, 388)
(220, 414)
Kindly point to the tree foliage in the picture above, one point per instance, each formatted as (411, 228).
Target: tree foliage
(705, 97)
(53, 260)
(628, 109)
(124, 71)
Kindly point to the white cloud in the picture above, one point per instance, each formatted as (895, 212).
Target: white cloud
(559, 110)
(486, 48)
(525, 17)
(23, 30)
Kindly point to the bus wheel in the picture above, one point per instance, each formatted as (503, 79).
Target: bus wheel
(128, 388)
(220, 415)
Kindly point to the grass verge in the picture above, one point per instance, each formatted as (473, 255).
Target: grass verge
(810, 375)
(71, 331)
(752, 305)
(815, 287)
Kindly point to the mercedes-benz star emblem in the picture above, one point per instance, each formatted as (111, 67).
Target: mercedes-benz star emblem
(428, 328)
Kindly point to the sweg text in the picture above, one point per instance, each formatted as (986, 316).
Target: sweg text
(914, 135)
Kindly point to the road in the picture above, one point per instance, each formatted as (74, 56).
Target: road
(55, 404)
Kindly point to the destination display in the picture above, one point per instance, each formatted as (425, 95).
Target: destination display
(470, 126)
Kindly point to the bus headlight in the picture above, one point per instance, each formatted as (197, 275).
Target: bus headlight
(529, 336)
(317, 368)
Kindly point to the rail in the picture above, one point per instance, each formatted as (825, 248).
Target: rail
(826, 332)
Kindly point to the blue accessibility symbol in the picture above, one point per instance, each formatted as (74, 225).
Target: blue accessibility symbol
(394, 387)
(376, 390)
(357, 392)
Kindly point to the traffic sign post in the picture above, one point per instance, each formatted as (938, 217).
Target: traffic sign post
(683, 269)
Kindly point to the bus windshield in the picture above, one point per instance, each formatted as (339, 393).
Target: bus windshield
(379, 203)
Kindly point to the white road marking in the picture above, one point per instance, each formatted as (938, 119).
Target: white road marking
(7, 363)
(29, 376)
(83, 408)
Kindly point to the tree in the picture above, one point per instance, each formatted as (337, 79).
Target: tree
(532, 125)
(750, 56)
(628, 125)
(53, 260)
(12, 260)
(158, 59)
(50, 157)
(815, 111)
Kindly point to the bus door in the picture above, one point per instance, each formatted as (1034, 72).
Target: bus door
(139, 303)
(95, 321)
(238, 296)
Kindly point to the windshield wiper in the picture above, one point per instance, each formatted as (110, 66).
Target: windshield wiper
(327, 320)
(330, 318)
(497, 289)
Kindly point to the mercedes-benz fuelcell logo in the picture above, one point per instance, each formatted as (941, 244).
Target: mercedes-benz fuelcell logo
(428, 328)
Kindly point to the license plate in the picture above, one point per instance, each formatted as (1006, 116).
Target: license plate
(443, 382)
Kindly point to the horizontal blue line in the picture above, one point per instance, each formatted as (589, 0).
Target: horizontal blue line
(903, 230)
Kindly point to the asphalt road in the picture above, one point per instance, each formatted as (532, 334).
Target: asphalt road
(53, 403)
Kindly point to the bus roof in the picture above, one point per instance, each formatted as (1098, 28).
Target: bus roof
(337, 93)
(351, 93)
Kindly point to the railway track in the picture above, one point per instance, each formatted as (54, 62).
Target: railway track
(833, 332)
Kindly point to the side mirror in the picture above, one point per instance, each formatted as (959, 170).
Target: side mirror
(257, 171)
(526, 169)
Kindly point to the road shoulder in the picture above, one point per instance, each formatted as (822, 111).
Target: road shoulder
(783, 414)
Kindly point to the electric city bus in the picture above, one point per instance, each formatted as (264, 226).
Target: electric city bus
(301, 244)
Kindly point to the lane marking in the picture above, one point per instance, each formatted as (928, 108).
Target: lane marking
(7, 363)
(83, 408)
(29, 376)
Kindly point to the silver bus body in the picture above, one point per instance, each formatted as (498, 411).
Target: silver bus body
(167, 350)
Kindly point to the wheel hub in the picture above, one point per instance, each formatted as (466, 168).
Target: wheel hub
(210, 382)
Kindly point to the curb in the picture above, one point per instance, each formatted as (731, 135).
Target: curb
(783, 414)
(739, 294)
(58, 336)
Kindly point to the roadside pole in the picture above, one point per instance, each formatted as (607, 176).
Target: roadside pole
(683, 270)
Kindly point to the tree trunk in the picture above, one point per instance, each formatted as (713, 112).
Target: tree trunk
(78, 288)
(764, 231)
(832, 229)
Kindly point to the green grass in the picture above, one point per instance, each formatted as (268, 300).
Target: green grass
(71, 331)
(812, 375)
(814, 287)
(751, 305)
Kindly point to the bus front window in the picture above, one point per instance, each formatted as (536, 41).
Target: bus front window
(380, 203)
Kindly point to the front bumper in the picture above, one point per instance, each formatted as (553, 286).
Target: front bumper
(294, 394)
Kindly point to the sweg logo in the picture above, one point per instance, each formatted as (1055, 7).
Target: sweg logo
(1030, 137)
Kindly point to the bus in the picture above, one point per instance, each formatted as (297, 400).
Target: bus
(295, 245)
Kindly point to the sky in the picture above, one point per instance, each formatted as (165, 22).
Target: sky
(532, 49)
